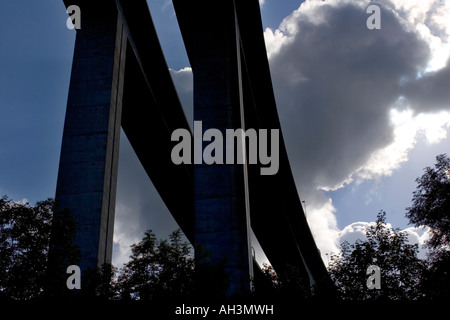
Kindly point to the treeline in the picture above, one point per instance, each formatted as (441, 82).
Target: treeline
(403, 276)
(29, 270)
(161, 269)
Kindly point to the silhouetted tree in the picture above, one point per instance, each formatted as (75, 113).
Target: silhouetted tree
(36, 247)
(157, 269)
(288, 283)
(436, 278)
(431, 202)
(100, 283)
(167, 269)
(62, 252)
(211, 281)
(24, 249)
(386, 248)
(265, 281)
(24, 231)
(431, 208)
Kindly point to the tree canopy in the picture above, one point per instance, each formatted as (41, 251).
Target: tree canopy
(387, 249)
(24, 242)
(431, 208)
(431, 202)
(36, 243)
(157, 268)
(25, 269)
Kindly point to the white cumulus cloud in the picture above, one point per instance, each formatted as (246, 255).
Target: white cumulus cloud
(357, 231)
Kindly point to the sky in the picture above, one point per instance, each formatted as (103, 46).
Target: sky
(362, 111)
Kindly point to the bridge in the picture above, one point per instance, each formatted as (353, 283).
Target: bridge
(120, 79)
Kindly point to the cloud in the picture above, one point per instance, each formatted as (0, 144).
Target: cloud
(127, 231)
(429, 92)
(357, 231)
(353, 101)
(323, 224)
(353, 232)
(407, 129)
(335, 82)
(23, 201)
(419, 236)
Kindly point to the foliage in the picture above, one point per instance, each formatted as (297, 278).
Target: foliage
(157, 269)
(161, 269)
(431, 208)
(24, 244)
(389, 250)
(288, 283)
(211, 281)
(36, 246)
(62, 253)
(436, 278)
(32, 264)
(25, 269)
(97, 284)
(431, 202)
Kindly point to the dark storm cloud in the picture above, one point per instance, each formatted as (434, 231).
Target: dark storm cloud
(430, 92)
(335, 82)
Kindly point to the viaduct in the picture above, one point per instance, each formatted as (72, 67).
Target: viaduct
(120, 79)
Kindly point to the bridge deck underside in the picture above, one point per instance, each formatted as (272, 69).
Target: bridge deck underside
(277, 216)
(151, 112)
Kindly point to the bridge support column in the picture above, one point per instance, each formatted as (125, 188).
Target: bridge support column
(221, 211)
(88, 167)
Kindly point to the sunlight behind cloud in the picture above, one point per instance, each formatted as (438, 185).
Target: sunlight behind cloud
(407, 129)
(431, 21)
(433, 126)
(126, 233)
(323, 224)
